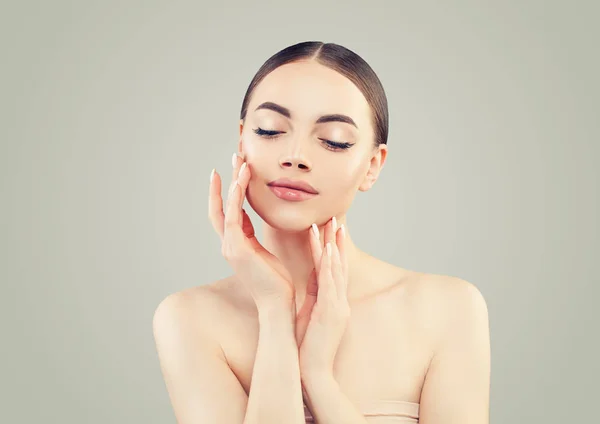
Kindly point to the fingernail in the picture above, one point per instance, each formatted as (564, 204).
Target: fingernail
(242, 169)
(234, 160)
(315, 230)
(334, 222)
(328, 246)
(343, 229)
(212, 174)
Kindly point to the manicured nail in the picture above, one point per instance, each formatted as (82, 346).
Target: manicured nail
(212, 174)
(234, 160)
(315, 230)
(328, 247)
(242, 169)
(343, 230)
(334, 222)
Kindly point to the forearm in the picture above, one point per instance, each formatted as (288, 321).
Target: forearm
(275, 392)
(328, 404)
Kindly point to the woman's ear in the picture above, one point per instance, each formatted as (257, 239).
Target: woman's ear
(375, 167)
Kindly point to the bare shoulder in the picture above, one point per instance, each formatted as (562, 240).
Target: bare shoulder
(201, 385)
(450, 304)
(443, 289)
(187, 301)
(193, 309)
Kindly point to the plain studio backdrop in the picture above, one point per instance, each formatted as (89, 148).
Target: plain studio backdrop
(113, 114)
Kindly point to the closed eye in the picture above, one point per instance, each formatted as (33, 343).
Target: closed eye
(337, 145)
(332, 145)
(266, 133)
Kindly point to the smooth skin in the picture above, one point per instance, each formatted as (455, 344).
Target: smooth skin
(324, 314)
(406, 335)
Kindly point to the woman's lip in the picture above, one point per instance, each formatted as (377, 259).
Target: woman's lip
(294, 184)
(290, 194)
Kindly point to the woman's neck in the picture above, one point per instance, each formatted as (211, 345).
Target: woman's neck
(293, 250)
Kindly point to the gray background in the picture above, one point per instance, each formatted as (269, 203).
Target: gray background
(113, 114)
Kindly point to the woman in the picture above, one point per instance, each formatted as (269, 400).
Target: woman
(309, 327)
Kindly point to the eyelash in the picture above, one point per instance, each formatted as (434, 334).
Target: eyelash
(333, 145)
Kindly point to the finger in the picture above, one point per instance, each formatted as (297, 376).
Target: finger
(312, 288)
(215, 204)
(236, 163)
(233, 211)
(329, 231)
(233, 221)
(247, 226)
(326, 284)
(342, 248)
(336, 266)
(249, 233)
(243, 180)
(316, 248)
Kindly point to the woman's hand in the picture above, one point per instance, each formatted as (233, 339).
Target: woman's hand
(326, 311)
(265, 276)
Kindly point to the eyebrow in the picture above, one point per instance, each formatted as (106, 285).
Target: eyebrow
(325, 118)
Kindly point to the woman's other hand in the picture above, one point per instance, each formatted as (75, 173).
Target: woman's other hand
(260, 271)
(327, 306)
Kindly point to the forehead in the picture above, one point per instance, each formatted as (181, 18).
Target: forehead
(310, 90)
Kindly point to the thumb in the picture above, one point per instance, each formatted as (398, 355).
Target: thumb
(247, 226)
(312, 288)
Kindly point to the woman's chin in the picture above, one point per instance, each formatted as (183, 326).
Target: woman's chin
(287, 220)
(284, 217)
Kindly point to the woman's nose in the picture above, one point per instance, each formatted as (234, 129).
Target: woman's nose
(295, 161)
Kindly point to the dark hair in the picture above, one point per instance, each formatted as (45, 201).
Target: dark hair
(342, 60)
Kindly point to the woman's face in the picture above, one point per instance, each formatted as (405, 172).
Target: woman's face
(298, 148)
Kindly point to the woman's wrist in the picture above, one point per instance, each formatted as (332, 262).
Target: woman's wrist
(276, 311)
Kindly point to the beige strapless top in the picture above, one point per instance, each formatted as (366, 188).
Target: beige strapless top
(383, 411)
